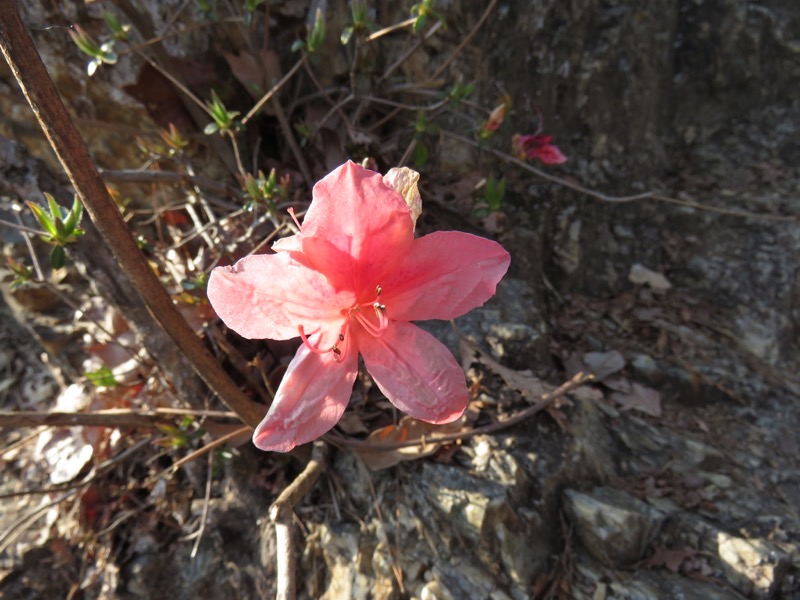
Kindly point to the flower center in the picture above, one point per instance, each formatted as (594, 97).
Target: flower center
(363, 314)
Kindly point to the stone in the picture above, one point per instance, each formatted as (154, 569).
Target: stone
(613, 526)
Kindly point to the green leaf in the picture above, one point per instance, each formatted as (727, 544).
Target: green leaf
(53, 206)
(347, 34)
(102, 377)
(61, 233)
(44, 219)
(73, 217)
(317, 34)
(420, 155)
(58, 257)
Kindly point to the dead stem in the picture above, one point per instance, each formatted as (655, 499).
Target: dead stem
(466, 40)
(165, 177)
(115, 417)
(29, 245)
(11, 225)
(281, 513)
(617, 199)
(387, 30)
(544, 401)
(206, 501)
(265, 98)
(200, 452)
(288, 134)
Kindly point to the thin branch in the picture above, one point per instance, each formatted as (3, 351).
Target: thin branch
(66, 140)
(265, 98)
(545, 400)
(280, 513)
(115, 417)
(138, 176)
(466, 40)
(206, 502)
(404, 57)
(390, 29)
(200, 451)
(617, 199)
(10, 225)
(29, 245)
(288, 135)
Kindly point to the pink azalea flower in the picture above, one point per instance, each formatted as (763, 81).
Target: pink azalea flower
(350, 283)
(537, 146)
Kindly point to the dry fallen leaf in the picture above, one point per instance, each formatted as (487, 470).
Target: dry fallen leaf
(524, 382)
(641, 275)
(603, 364)
(407, 429)
(641, 398)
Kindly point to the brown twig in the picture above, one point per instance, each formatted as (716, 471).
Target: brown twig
(138, 176)
(280, 513)
(465, 41)
(265, 98)
(115, 417)
(64, 137)
(11, 225)
(220, 441)
(545, 400)
(616, 199)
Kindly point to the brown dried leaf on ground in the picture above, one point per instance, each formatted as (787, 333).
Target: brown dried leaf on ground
(669, 558)
(407, 429)
(604, 364)
(641, 398)
(524, 382)
(256, 74)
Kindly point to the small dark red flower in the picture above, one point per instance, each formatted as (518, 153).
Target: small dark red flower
(538, 146)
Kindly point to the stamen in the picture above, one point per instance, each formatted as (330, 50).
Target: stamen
(307, 343)
(383, 320)
(339, 354)
(372, 329)
(294, 217)
(378, 291)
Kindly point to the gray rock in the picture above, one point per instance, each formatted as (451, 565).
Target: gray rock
(615, 527)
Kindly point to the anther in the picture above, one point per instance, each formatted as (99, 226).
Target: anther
(378, 290)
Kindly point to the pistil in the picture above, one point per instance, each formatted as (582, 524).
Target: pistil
(341, 347)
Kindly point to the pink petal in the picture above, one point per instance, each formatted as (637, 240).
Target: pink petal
(269, 295)
(446, 274)
(548, 154)
(310, 400)
(290, 243)
(416, 372)
(357, 214)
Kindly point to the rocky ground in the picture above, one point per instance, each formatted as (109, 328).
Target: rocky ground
(674, 474)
